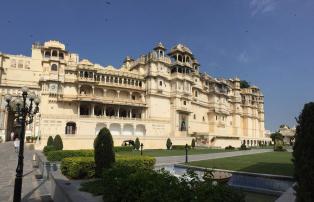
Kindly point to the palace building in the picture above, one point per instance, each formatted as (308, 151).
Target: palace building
(162, 94)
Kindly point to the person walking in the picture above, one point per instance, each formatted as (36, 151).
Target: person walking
(17, 144)
(12, 136)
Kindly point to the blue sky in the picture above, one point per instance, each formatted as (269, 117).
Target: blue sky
(269, 43)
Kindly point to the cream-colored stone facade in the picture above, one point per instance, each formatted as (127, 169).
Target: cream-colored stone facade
(154, 97)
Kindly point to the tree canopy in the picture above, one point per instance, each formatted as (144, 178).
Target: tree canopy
(244, 84)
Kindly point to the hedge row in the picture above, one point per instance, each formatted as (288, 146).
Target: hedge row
(179, 147)
(53, 155)
(84, 167)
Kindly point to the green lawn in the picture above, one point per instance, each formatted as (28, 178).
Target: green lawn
(278, 163)
(176, 152)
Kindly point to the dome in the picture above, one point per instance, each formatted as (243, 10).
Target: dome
(85, 62)
(160, 46)
(180, 48)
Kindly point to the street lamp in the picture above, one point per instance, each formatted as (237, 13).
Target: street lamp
(142, 149)
(186, 153)
(24, 112)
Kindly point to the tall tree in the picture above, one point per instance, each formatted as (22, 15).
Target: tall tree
(303, 155)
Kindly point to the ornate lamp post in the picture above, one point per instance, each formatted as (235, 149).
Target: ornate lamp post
(186, 153)
(23, 111)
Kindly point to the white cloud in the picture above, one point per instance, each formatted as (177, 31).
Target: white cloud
(243, 57)
(262, 6)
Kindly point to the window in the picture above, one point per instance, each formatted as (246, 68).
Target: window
(27, 65)
(54, 53)
(20, 64)
(47, 54)
(194, 116)
(184, 102)
(13, 63)
(216, 118)
(180, 58)
(196, 93)
(70, 128)
(54, 67)
(61, 55)
(160, 83)
(133, 97)
(203, 118)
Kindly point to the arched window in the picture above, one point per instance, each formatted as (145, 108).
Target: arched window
(160, 83)
(54, 53)
(179, 58)
(61, 55)
(184, 102)
(54, 67)
(47, 54)
(196, 94)
(70, 128)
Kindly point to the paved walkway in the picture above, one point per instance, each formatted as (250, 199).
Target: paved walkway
(199, 157)
(32, 189)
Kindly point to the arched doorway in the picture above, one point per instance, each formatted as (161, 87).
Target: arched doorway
(128, 129)
(115, 129)
(140, 130)
(99, 126)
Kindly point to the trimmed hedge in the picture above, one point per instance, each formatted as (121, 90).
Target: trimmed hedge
(179, 147)
(55, 155)
(48, 149)
(61, 154)
(78, 167)
(229, 148)
(84, 167)
(123, 149)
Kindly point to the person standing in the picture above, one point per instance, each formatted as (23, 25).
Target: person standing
(17, 144)
(12, 136)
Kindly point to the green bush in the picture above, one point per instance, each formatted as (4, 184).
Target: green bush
(193, 143)
(50, 141)
(168, 143)
(57, 142)
(179, 147)
(48, 149)
(243, 147)
(303, 154)
(78, 167)
(137, 144)
(136, 161)
(125, 184)
(229, 147)
(279, 148)
(104, 152)
(123, 149)
(84, 167)
(54, 155)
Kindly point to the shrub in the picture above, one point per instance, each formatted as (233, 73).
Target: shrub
(84, 167)
(136, 162)
(168, 143)
(61, 154)
(279, 148)
(124, 184)
(303, 154)
(229, 147)
(104, 152)
(123, 149)
(48, 149)
(78, 167)
(243, 147)
(137, 144)
(57, 142)
(28, 138)
(180, 147)
(193, 143)
(50, 141)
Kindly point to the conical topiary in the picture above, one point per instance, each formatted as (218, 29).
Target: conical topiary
(50, 141)
(104, 151)
(193, 143)
(168, 143)
(137, 144)
(57, 142)
(303, 154)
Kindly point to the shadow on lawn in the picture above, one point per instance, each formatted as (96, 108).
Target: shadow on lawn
(270, 168)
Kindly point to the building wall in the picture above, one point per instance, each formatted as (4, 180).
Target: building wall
(153, 97)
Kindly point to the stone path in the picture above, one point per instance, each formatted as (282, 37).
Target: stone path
(199, 157)
(32, 189)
